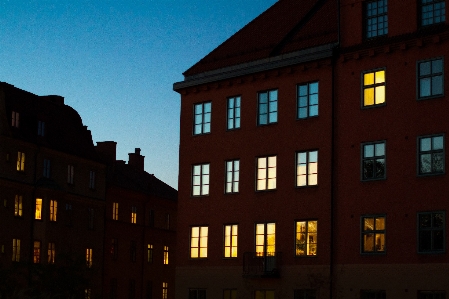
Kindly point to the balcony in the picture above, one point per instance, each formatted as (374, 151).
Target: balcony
(256, 266)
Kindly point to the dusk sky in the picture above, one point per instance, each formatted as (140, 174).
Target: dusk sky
(115, 62)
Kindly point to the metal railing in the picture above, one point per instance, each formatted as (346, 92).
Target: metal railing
(261, 265)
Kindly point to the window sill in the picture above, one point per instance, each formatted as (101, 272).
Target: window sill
(373, 106)
(423, 99)
(373, 180)
(306, 187)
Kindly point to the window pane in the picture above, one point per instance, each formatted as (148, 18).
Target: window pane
(380, 94)
(424, 87)
(369, 97)
(368, 79)
(437, 142)
(368, 151)
(425, 144)
(380, 76)
(437, 85)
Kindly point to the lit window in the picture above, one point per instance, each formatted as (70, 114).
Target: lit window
(431, 295)
(430, 78)
(374, 88)
(431, 154)
(133, 251)
(266, 173)
(265, 239)
(307, 168)
(267, 107)
(114, 248)
(18, 205)
(197, 294)
(431, 232)
(115, 210)
(307, 100)
(164, 290)
(20, 161)
(150, 253)
(70, 174)
(15, 119)
(16, 250)
(306, 238)
(37, 252)
(133, 214)
(87, 293)
(232, 176)
(90, 218)
(376, 18)
(200, 180)
(233, 113)
(53, 210)
(46, 172)
(304, 294)
(373, 294)
(373, 234)
(165, 255)
(433, 12)
(230, 240)
(89, 257)
(264, 294)
(40, 128)
(198, 241)
(230, 294)
(38, 210)
(92, 179)
(373, 161)
(203, 112)
(51, 253)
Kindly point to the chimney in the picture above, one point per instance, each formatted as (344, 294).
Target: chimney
(136, 160)
(107, 151)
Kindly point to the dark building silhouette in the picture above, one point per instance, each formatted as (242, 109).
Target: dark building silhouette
(312, 155)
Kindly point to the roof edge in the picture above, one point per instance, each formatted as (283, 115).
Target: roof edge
(305, 55)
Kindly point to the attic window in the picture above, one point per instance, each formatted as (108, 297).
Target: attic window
(41, 128)
(15, 119)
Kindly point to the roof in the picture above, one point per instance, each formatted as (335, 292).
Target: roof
(287, 26)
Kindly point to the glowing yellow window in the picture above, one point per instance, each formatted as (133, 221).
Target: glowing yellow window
(165, 255)
(20, 161)
(133, 214)
(37, 252)
(51, 253)
(374, 88)
(89, 257)
(38, 211)
(115, 210)
(198, 241)
(18, 206)
(230, 240)
(53, 210)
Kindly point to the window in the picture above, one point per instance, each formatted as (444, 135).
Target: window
(430, 78)
(432, 12)
(374, 88)
(37, 252)
(165, 255)
(53, 210)
(115, 210)
(376, 19)
(200, 180)
(89, 257)
(233, 113)
(197, 294)
(151, 218)
(51, 252)
(92, 179)
(266, 173)
(373, 234)
(373, 161)
(264, 294)
(133, 251)
(304, 294)
(46, 172)
(372, 294)
(150, 253)
(431, 233)
(69, 213)
(20, 161)
(198, 241)
(431, 154)
(90, 218)
(230, 294)
(132, 289)
(267, 107)
(431, 295)
(230, 240)
(114, 248)
(70, 174)
(40, 128)
(15, 119)
(164, 290)
(113, 294)
(167, 221)
(265, 239)
(87, 293)
(306, 238)
(18, 205)
(306, 168)
(133, 214)
(149, 292)
(16, 250)
(307, 100)
(203, 112)
(38, 210)
(232, 176)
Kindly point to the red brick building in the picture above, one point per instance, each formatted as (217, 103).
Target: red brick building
(356, 85)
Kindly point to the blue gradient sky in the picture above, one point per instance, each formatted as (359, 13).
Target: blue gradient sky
(115, 62)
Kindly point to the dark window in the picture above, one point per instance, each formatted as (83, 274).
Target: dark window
(233, 113)
(430, 78)
(151, 218)
(267, 107)
(149, 293)
(376, 18)
(47, 168)
(113, 293)
(432, 12)
(304, 294)
(373, 161)
(230, 294)
(40, 128)
(203, 113)
(431, 232)
(431, 154)
(132, 251)
(373, 234)
(373, 294)
(197, 294)
(132, 289)
(114, 248)
(307, 100)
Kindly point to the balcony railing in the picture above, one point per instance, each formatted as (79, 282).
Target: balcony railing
(256, 265)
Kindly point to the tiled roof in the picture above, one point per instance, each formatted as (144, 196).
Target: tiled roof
(287, 26)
